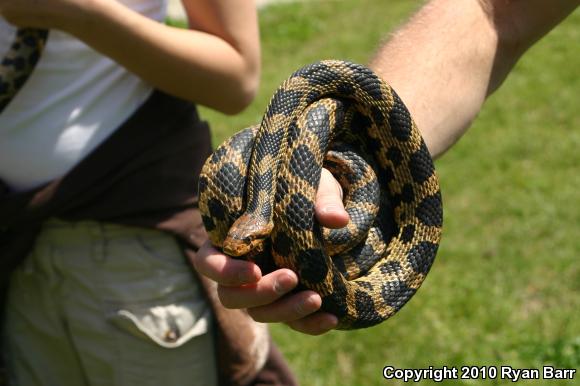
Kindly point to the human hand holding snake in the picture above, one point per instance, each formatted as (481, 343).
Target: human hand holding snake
(371, 118)
(258, 192)
(241, 284)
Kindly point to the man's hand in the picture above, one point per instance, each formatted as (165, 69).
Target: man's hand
(241, 284)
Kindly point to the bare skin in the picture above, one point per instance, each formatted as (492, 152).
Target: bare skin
(463, 50)
(220, 52)
(444, 63)
(241, 284)
(452, 55)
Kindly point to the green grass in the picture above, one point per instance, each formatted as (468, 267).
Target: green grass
(505, 289)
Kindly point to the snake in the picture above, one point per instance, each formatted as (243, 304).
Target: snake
(257, 192)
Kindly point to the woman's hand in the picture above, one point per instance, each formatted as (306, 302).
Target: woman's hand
(216, 63)
(46, 14)
(267, 298)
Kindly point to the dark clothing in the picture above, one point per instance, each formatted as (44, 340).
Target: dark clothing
(145, 174)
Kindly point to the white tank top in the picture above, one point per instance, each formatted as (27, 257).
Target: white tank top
(74, 100)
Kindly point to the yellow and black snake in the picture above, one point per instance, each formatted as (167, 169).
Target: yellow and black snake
(257, 192)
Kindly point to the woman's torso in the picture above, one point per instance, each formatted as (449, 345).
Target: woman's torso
(73, 101)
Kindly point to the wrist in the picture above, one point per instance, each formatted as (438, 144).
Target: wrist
(79, 18)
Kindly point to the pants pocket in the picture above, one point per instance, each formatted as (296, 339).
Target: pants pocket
(169, 326)
(170, 344)
(161, 322)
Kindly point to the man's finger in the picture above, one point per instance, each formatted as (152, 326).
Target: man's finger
(223, 269)
(268, 290)
(315, 324)
(287, 309)
(329, 207)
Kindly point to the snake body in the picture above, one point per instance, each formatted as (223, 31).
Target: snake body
(257, 192)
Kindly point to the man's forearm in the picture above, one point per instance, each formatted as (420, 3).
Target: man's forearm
(452, 54)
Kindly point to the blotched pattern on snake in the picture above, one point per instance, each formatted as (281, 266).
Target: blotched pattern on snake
(257, 192)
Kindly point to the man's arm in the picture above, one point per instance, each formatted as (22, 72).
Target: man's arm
(444, 62)
(452, 54)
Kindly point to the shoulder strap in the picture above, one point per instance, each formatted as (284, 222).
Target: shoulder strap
(19, 62)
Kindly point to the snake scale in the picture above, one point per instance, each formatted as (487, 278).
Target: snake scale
(257, 189)
(257, 192)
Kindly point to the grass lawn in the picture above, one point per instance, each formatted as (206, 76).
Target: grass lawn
(505, 289)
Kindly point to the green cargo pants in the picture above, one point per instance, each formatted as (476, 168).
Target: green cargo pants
(107, 305)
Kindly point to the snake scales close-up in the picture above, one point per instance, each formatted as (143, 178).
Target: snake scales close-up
(257, 192)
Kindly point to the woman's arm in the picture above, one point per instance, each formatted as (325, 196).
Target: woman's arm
(216, 63)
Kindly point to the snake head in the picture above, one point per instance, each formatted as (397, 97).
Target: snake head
(246, 236)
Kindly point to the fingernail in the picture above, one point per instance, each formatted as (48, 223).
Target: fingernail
(331, 208)
(308, 305)
(330, 323)
(283, 284)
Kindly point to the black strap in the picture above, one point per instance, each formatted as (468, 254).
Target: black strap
(19, 62)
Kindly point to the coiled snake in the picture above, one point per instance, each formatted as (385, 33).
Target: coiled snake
(257, 192)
